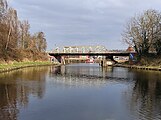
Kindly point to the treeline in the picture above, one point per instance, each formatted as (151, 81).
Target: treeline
(16, 41)
(143, 32)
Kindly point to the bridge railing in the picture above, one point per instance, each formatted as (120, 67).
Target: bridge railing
(90, 52)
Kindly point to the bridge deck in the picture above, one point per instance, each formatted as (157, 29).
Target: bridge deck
(93, 54)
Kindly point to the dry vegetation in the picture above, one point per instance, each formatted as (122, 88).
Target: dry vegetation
(150, 61)
(16, 41)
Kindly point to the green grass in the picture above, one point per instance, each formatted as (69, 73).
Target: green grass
(15, 64)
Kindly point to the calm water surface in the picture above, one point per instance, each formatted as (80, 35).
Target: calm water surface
(80, 92)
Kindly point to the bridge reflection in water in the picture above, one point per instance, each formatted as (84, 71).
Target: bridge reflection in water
(72, 91)
(86, 75)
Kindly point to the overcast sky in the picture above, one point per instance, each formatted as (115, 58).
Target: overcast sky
(81, 22)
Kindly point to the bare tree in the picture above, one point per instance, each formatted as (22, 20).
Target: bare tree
(157, 41)
(24, 34)
(10, 35)
(143, 31)
(15, 38)
(3, 8)
(41, 42)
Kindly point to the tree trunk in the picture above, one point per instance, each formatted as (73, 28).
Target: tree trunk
(8, 39)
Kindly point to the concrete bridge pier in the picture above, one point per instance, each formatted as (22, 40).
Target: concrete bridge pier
(107, 61)
(60, 59)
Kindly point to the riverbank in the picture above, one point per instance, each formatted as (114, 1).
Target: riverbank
(152, 62)
(154, 68)
(6, 67)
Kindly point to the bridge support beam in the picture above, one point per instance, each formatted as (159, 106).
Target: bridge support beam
(60, 59)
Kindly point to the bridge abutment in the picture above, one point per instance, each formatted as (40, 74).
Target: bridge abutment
(105, 63)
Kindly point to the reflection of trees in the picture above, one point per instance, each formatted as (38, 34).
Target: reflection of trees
(15, 88)
(8, 106)
(146, 96)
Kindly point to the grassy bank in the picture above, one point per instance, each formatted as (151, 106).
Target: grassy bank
(145, 63)
(4, 67)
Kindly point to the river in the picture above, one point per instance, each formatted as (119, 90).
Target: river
(80, 92)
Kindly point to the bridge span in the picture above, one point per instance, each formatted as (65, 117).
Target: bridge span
(93, 54)
(107, 55)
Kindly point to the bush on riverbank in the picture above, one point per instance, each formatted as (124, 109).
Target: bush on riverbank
(29, 55)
